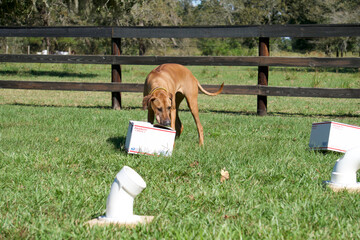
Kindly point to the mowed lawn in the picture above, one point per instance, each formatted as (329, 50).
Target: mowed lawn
(60, 152)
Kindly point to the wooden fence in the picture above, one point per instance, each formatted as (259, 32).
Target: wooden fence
(263, 61)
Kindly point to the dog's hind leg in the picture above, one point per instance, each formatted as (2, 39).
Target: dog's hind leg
(193, 106)
(178, 125)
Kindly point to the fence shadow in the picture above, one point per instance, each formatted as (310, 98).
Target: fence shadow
(244, 113)
(284, 114)
(58, 106)
(346, 115)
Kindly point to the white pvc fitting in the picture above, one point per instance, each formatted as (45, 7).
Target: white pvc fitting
(344, 171)
(119, 205)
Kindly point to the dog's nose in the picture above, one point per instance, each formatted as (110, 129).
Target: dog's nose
(166, 122)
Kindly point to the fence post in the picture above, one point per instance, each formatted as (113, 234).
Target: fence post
(263, 74)
(116, 73)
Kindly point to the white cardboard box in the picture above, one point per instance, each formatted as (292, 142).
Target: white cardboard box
(145, 138)
(334, 136)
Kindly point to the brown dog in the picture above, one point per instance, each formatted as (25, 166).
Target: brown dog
(165, 87)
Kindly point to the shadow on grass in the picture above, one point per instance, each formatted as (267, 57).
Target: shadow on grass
(117, 142)
(244, 113)
(58, 106)
(48, 73)
(284, 114)
(345, 115)
(69, 106)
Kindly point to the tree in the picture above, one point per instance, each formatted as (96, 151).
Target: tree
(14, 12)
(155, 13)
(346, 11)
(180, 13)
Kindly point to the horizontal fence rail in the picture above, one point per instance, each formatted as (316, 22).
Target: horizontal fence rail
(301, 31)
(195, 61)
(263, 61)
(228, 89)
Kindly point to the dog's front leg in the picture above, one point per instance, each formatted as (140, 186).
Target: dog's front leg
(151, 116)
(173, 118)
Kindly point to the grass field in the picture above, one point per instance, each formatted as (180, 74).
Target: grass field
(60, 152)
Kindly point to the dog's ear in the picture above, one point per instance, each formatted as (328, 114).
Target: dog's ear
(146, 101)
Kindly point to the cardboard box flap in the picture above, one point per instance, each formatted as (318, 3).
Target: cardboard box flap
(163, 127)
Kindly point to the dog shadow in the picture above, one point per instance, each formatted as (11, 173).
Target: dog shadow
(118, 142)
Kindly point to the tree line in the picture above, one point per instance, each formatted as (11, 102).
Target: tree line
(180, 13)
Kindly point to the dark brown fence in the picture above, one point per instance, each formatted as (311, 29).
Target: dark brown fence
(263, 61)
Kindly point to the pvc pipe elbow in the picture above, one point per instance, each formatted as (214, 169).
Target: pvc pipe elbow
(119, 204)
(131, 181)
(126, 186)
(344, 171)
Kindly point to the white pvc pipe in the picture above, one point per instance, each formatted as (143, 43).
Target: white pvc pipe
(119, 205)
(344, 171)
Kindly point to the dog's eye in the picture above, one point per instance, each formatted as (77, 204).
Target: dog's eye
(159, 109)
(169, 108)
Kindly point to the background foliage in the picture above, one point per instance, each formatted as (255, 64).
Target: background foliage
(177, 13)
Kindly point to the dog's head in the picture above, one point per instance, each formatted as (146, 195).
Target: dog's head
(160, 102)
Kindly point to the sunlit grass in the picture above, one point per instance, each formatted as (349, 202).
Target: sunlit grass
(60, 152)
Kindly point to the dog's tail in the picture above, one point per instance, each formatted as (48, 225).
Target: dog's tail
(209, 93)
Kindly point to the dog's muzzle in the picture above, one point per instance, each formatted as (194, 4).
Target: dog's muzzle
(166, 122)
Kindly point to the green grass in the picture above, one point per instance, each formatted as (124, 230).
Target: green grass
(60, 152)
